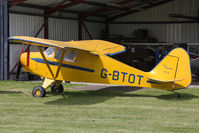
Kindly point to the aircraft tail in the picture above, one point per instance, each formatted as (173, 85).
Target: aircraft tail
(174, 68)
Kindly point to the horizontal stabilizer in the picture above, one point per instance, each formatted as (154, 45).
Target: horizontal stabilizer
(164, 81)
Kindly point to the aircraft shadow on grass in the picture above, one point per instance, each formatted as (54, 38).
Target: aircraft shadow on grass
(173, 97)
(9, 92)
(89, 97)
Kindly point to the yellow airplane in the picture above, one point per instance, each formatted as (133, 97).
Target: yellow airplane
(88, 61)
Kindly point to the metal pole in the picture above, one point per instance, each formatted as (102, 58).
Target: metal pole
(87, 31)
(79, 28)
(46, 25)
(4, 47)
(1, 40)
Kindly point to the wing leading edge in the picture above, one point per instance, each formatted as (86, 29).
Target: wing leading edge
(93, 46)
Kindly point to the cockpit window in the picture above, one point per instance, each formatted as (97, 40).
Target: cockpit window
(58, 54)
(49, 52)
(71, 55)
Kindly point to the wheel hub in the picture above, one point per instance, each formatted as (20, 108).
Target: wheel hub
(38, 93)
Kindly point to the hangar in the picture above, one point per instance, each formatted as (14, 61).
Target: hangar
(127, 22)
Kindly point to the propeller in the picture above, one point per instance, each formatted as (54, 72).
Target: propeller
(18, 70)
(18, 64)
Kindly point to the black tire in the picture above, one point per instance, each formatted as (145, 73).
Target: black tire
(39, 91)
(60, 89)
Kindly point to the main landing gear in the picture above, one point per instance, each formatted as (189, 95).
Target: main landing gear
(178, 95)
(56, 87)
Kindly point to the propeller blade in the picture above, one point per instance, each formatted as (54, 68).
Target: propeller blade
(28, 48)
(18, 70)
(28, 57)
(18, 63)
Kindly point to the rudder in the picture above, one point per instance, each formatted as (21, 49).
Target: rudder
(175, 67)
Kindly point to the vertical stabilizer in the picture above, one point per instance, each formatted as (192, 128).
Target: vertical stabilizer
(175, 67)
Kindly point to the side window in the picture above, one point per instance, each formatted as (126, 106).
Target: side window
(57, 54)
(49, 52)
(71, 55)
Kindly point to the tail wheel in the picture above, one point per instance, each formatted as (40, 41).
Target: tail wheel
(59, 89)
(39, 92)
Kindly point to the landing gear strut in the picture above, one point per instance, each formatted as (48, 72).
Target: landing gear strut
(178, 95)
(57, 89)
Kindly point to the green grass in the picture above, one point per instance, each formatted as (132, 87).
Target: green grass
(75, 111)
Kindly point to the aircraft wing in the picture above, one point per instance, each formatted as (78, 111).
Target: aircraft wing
(43, 42)
(93, 46)
(100, 46)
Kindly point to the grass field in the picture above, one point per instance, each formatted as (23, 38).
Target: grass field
(101, 111)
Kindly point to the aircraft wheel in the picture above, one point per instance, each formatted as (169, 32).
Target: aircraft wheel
(60, 89)
(39, 92)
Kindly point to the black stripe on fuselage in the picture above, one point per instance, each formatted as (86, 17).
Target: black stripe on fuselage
(63, 65)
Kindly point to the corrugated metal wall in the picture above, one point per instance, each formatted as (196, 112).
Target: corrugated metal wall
(62, 29)
(66, 30)
(163, 32)
(24, 25)
(94, 29)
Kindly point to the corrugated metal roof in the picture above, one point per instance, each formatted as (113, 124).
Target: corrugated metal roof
(91, 5)
(82, 7)
(54, 2)
(105, 1)
(43, 2)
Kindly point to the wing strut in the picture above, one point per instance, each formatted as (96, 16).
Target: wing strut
(40, 50)
(60, 63)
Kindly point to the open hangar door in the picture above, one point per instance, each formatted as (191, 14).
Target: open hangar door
(170, 23)
(121, 21)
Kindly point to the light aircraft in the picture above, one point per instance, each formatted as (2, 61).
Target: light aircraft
(90, 61)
